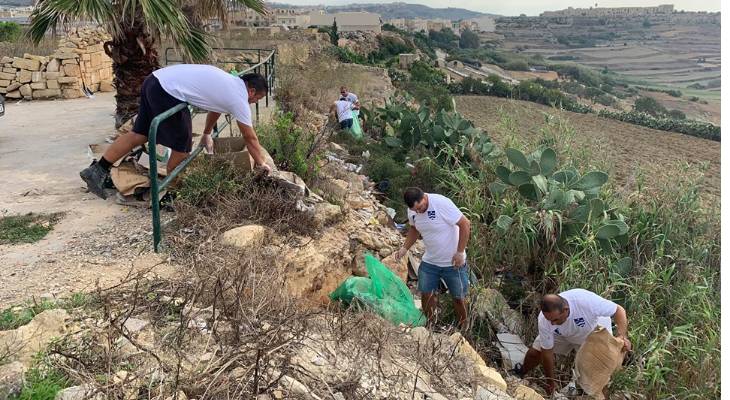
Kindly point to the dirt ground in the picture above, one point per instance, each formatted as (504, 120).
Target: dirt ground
(629, 148)
(44, 145)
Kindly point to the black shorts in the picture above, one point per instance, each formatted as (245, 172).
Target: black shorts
(346, 124)
(175, 132)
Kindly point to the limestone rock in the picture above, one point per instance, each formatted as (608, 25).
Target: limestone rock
(72, 93)
(134, 325)
(26, 90)
(244, 236)
(11, 379)
(72, 70)
(337, 188)
(7, 75)
(38, 85)
(82, 392)
(325, 213)
(36, 76)
(484, 375)
(4, 82)
(46, 93)
(491, 393)
(67, 79)
(51, 75)
(465, 349)
(106, 86)
(24, 76)
(52, 84)
(15, 94)
(22, 63)
(13, 86)
(52, 66)
(523, 392)
(27, 340)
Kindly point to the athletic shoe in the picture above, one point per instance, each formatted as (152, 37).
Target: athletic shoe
(95, 176)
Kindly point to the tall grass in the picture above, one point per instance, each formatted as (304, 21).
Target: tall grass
(666, 276)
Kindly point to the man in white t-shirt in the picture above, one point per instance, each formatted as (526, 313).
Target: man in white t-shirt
(203, 86)
(343, 109)
(351, 97)
(445, 233)
(564, 324)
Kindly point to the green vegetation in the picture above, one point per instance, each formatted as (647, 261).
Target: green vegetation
(42, 384)
(468, 40)
(334, 35)
(703, 130)
(28, 228)
(545, 212)
(290, 146)
(206, 179)
(9, 31)
(12, 318)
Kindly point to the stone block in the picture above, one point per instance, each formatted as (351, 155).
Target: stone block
(65, 55)
(38, 85)
(3, 90)
(46, 93)
(95, 78)
(22, 63)
(15, 94)
(87, 65)
(5, 82)
(86, 57)
(52, 84)
(69, 61)
(6, 60)
(36, 76)
(72, 70)
(106, 86)
(41, 59)
(52, 66)
(8, 70)
(95, 59)
(51, 75)
(7, 75)
(23, 76)
(26, 90)
(67, 79)
(14, 85)
(244, 236)
(71, 93)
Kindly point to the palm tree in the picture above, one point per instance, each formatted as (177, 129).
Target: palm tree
(135, 27)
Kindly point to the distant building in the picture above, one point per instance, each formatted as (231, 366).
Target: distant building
(348, 21)
(405, 60)
(611, 11)
(484, 24)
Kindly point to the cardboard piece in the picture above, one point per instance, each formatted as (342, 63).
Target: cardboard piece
(598, 357)
(233, 150)
(126, 178)
(511, 348)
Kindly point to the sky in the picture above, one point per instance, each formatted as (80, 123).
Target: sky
(531, 7)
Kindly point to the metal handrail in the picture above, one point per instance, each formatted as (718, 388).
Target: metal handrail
(155, 184)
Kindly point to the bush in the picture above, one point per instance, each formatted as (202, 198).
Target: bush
(289, 146)
(422, 72)
(677, 114)
(9, 31)
(345, 55)
(518, 65)
(693, 128)
(469, 40)
(650, 106)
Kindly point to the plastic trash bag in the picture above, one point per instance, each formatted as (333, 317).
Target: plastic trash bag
(356, 129)
(383, 292)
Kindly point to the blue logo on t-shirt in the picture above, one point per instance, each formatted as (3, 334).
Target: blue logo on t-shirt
(580, 322)
(557, 332)
(432, 214)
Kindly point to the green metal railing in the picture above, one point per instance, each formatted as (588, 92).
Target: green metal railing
(268, 64)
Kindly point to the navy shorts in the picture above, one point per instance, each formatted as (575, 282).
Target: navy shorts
(456, 279)
(176, 132)
(346, 124)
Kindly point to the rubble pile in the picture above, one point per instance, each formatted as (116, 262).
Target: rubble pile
(79, 63)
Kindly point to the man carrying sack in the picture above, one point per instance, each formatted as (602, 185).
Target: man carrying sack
(565, 321)
(203, 86)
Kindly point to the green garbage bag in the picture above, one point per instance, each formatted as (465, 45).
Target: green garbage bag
(356, 130)
(383, 292)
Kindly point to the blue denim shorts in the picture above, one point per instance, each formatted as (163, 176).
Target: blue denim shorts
(456, 279)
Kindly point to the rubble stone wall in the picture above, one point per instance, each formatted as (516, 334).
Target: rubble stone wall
(79, 61)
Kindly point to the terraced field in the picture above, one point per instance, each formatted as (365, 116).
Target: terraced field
(629, 149)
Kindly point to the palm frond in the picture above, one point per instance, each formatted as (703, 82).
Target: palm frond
(49, 13)
(167, 18)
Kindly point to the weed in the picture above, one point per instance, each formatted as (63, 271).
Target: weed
(14, 317)
(42, 384)
(205, 179)
(28, 228)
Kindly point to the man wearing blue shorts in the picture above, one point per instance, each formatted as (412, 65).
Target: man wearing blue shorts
(445, 233)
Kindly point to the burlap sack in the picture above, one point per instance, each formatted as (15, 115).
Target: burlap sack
(596, 361)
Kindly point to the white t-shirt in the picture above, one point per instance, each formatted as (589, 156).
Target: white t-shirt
(344, 110)
(587, 309)
(438, 228)
(207, 87)
(351, 97)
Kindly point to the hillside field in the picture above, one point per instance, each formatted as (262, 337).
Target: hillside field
(625, 148)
